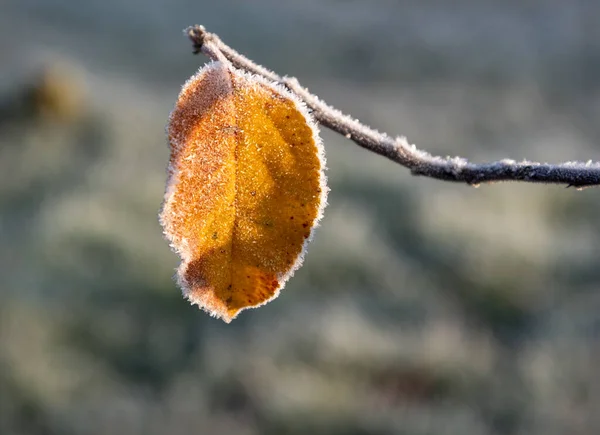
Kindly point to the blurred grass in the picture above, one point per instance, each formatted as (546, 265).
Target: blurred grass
(422, 307)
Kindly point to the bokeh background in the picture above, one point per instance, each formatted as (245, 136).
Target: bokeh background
(422, 308)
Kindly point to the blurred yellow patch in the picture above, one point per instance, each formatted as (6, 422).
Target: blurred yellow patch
(245, 188)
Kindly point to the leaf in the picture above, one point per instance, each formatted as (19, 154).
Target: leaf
(245, 188)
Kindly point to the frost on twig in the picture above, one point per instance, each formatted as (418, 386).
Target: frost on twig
(399, 150)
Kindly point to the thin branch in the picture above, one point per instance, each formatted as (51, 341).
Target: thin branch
(457, 169)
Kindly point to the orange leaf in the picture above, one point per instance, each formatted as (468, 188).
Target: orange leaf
(245, 188)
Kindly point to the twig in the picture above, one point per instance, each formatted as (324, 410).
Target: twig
(457, 169)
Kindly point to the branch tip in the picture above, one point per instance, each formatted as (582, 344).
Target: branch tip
(198, 35)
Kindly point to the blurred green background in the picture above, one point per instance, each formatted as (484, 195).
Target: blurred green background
(422, 308)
